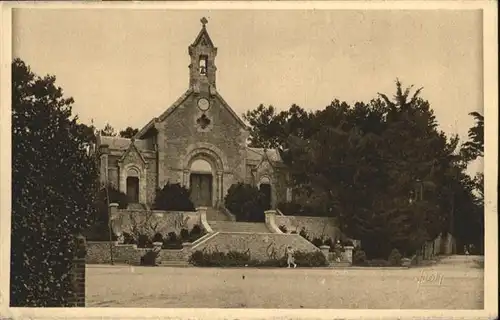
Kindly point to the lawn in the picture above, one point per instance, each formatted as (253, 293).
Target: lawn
(452, 285)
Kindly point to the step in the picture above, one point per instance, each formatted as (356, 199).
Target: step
(232, 226)
(342, 264)
(174, 263)
(216, 215)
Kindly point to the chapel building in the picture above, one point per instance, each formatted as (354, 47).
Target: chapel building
(199, 142)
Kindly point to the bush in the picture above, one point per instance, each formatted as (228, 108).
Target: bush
(358, 257)
(329, 242)
(128, 238)
(173, 197)
(171, 241)
(184, 235)
(157, 238)
(377, 263)
(99, 224)
(310, 259)
(297, 209)
(241, 259)
(246, 202)
(283, 229)
(196, 233)
(317, 242)
(304, 234)
(395, 258)
(143, 241)
(149, 259)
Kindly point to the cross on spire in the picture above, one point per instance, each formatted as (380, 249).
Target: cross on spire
(204, 21)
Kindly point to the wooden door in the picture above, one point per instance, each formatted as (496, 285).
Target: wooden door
(201, 189)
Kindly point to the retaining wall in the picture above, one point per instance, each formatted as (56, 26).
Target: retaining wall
(261, 246)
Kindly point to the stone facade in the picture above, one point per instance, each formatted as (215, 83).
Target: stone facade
(199, 126)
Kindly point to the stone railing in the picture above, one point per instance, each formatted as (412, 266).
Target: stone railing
(202, 211)
(271, 221)
(228, 213)
(261, 246)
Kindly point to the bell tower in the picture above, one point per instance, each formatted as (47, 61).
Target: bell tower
(202, 68)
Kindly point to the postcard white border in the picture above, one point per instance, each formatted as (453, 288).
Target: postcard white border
(490, 50)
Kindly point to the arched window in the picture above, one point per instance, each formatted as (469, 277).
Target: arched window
(200, 165)
(203, 64)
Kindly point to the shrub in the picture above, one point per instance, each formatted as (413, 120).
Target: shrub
(246, 202)
(283, 229)
(99, 224)
(157, 238)
(304, 234)
(149, 259)
(310, 259)
(128, 238)
(184, 236)
(143, 241)
(173, 197)
(358, 257)
(240, 259)
(317, 242)
(329, 242)
(377, 263)
(196, 233)
(171, 241)
(347, 243)
(395, 258)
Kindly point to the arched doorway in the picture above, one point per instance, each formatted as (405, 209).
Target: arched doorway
(265, 190)
(133, 189)
(200, 183)
(132, 183)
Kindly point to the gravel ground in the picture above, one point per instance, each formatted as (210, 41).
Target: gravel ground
(452, 284)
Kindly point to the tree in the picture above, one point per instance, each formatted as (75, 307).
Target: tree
(474, 147)
(54, 185)
(108, 131)
(246, 202)
(173, 197)
(270, 129)
(99, 224)
(364, 162)
(129, 132)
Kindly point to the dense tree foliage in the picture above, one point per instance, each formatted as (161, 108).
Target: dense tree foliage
(99, 224)
(246, 202)
(129, 132)
(173, 197)
(54, 185)
(382, 168)
(108, 131)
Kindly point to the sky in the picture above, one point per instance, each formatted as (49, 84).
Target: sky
(127, 66)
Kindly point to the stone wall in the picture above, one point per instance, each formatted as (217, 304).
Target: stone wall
(77, 298)
(316, 227)
(99, 252)
(261, 246)
(179, 132)
(151, 222)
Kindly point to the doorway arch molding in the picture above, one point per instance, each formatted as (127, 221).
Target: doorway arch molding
(218, 163)
(133, 170)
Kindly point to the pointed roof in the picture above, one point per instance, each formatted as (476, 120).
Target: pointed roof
(203, 35)
(132, 147)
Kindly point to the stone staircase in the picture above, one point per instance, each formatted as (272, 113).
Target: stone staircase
(173, 258)
(136, 206)
(214, 214)
(174, 263)
(232, 226)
